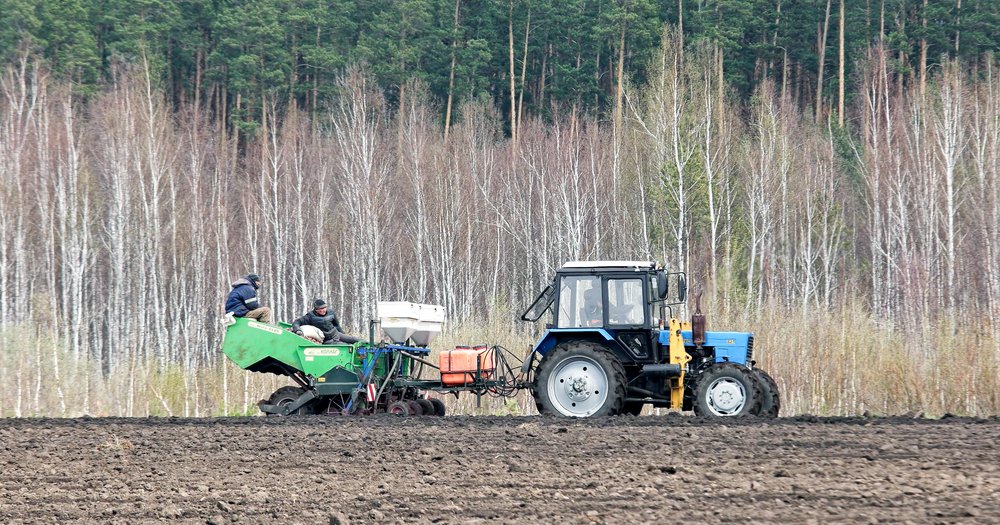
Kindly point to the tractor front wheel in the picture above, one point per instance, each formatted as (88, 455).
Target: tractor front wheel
(726, 390)
(579, 379)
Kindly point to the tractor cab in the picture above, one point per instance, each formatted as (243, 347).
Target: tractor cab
(596, 301)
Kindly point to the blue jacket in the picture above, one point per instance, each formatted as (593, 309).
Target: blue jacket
(242, 299)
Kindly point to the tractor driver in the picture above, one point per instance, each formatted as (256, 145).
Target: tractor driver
(593, 313)
(326, 321)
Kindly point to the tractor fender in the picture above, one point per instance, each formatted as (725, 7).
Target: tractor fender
(554, 335)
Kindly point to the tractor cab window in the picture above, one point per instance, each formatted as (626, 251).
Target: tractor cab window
(626, 305)
(580, 302)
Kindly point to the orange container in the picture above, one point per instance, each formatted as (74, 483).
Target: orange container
(458, 366)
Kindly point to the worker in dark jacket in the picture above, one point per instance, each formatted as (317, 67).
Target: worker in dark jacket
(326, 321)
(593, 312)
(243, 301)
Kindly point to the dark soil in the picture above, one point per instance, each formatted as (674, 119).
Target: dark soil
(317, 469)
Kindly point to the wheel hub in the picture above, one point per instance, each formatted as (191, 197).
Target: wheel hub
(726, 397)
(578, 389)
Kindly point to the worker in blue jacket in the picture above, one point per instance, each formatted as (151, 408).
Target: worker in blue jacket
(243, 301)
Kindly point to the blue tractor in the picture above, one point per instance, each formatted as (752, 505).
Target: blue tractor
(611, 349)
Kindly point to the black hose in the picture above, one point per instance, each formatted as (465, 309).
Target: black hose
(504, 383)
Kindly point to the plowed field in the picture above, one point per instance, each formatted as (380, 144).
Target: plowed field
(677, 469)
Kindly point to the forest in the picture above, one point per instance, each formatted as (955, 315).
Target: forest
(827, 172)
(530, 57)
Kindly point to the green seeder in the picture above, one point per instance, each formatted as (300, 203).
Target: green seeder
(359, 378)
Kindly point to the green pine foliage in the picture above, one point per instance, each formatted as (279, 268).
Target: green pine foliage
(290, 51)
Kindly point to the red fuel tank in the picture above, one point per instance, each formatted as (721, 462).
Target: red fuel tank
(459, 366)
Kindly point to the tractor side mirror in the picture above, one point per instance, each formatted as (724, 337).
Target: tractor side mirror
(682, 288)
(661, 284)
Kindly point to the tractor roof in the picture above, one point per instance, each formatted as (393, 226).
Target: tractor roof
(646, 265)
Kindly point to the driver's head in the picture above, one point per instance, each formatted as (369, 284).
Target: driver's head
(320, 306)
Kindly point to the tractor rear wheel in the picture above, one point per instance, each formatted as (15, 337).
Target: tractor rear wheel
(579, 379)
(287, 395)
(726, 390)
(770, 400)
(438, 406)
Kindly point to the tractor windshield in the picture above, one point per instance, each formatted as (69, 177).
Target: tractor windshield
(540, 306)
(580, 302)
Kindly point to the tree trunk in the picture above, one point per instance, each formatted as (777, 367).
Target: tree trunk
(720, 84)
(451, 74)
(923, 52)
(840, 80)
(293, 77)
(541, 77)
(513, 99)
(524, 70)
(680, 27)
(958, 24)
(881, 23)
(821, 34)
(774, 41)
(798, 83)
(784, 76)
(236, 129)
(197, 87)
(315, 75)
(620, 77)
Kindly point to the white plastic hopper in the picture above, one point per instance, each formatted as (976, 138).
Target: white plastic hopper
(398, 319)
(430, 318)
(402, 320)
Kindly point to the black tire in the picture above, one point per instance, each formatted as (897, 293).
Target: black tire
(286, 395)
(438, 406)
(633, 408)
(726, 390)
(770, 399)
(427, 408)
(415, 408)
(399, 408)
(595, 392)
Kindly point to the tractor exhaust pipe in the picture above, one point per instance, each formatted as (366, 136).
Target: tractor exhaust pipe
(698, 322)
